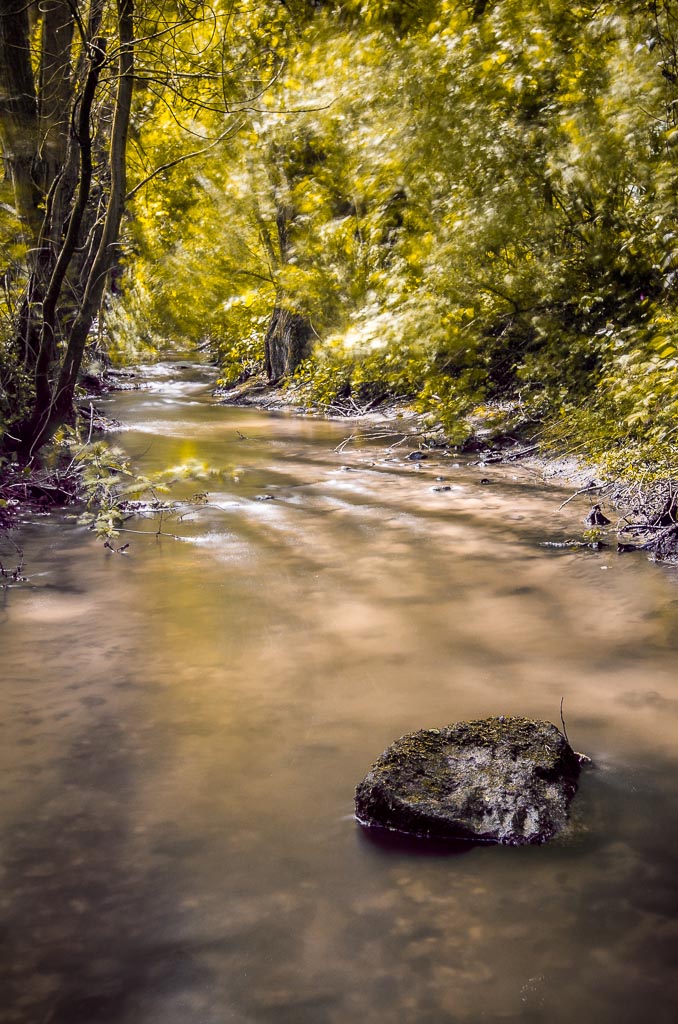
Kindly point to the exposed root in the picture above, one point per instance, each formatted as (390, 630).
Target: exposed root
(654, 516)
(34, 492)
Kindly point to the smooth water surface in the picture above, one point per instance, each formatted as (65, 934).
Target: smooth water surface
(183, 727)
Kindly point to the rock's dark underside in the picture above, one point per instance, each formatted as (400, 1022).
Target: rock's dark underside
(501, 780)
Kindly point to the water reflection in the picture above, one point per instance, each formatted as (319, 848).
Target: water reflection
(84, 909)
(183, 729)
(389, 843)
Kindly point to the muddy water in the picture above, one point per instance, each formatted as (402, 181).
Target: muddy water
(183, 727)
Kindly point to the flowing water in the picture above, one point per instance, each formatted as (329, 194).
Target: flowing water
(184, 724)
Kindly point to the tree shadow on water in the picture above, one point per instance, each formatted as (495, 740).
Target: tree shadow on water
(88, 916)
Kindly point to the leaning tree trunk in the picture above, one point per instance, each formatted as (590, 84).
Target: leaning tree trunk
(61, 398)
(57, 341)
(287, 342)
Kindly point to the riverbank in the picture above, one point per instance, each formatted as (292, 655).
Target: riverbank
(632, 515)
(26, 490)
(640, 517)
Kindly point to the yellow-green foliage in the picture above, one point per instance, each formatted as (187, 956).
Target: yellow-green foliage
(478, 204)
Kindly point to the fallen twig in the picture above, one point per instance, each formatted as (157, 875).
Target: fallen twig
(645, 528)
(667, 531)
(512, 456)
(376, 435)
(583, 490)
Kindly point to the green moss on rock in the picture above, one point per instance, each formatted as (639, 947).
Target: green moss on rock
(503, 780)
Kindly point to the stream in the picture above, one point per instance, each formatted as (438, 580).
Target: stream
(184, 725)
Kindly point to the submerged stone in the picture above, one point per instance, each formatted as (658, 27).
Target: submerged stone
(499, 780)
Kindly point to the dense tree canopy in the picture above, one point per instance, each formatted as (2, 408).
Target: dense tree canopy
(471, 204)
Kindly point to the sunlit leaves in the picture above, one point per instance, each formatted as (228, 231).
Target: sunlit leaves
(467, 201)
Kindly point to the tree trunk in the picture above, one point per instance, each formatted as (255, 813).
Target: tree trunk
(287, 342)
(19, 115)
(55, 88)
(71, 267)
(289, 334)
(47, 352)
(61, 398)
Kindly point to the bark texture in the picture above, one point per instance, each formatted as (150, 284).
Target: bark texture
(19, 114)
(288, 341)
(68, 168)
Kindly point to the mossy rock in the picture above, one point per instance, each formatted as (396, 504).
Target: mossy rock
(498, 780)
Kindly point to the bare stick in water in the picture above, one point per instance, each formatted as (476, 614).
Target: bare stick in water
(563, 720)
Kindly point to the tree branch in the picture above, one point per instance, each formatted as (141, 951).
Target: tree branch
(180, 159)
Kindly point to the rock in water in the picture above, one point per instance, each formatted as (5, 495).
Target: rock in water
(497, 780)
(596, 517)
